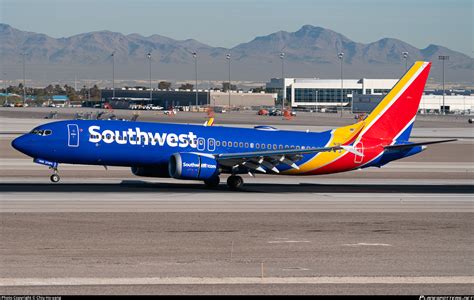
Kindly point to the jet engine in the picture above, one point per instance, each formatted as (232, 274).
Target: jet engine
(192, 166)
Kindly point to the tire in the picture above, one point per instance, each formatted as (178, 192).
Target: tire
(54, 178)
(212, 182)
(235, 182)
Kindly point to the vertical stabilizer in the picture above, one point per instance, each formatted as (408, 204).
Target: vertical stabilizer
(393, 118)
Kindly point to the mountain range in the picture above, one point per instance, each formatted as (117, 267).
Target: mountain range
(309, 52)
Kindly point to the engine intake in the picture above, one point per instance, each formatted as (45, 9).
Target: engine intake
(192, 166)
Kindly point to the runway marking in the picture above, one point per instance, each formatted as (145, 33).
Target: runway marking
(237, 280)
(278, 242)
(369, 244)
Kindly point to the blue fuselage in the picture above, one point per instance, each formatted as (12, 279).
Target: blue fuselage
(122, 143)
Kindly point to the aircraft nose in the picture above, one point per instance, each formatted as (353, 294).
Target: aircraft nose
(21, 144)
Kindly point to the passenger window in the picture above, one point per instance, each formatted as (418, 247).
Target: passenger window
(257, 145)
(280, 147)
(241, 144)
(269, 146)
(218, 143)
(236, 144)
(224, 143)
(263, 146)
(274, 147)
(246, 145)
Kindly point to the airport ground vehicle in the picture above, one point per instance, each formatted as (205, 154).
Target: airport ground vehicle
(194, 152)
(275, 112)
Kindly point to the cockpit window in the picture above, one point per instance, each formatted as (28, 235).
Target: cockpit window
(42, 132)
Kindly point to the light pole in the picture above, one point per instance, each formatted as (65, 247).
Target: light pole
(405, 56)
(113, 74)
(5, 84)
(24, 80)
(196, 72)
(283, 99)
(341, 57)
(443, 58)
(149, 59)
(228, 60)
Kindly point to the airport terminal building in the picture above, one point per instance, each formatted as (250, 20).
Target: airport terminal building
(360, 95)
(310, 92)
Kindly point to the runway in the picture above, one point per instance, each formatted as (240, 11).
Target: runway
(263, 195)
(303, 252)
(359, 236)
(406, 228)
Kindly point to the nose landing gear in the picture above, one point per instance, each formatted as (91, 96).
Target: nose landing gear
(55, 177)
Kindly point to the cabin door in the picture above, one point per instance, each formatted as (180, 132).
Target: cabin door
(73, 135)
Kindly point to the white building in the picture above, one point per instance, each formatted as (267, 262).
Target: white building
(309, 92)
(327, 92)
(453, 103)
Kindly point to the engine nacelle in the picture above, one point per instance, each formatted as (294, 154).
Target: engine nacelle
(192, 166)
(151, 171)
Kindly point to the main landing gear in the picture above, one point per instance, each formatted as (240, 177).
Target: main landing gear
(235, 182)
(55, 177)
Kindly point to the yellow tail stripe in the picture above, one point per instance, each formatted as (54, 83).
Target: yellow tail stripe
(394, 92)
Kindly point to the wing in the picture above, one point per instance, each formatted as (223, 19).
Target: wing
(263, 161)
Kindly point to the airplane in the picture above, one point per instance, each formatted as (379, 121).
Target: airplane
(196, 152)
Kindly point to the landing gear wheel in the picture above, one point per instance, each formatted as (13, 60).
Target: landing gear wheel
(54, 178)
(235, 182)
(212, 182)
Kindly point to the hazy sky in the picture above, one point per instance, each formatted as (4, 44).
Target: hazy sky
(227, 23)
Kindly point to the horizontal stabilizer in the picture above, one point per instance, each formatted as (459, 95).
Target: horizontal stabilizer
(352, 150)
(408, 146)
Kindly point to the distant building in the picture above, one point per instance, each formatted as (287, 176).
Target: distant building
(430, 103)
(309, 92)
(60, 98)
(218, 98)
(172, 98)
(452, 102)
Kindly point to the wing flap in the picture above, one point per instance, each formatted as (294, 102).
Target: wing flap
(263, 161)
